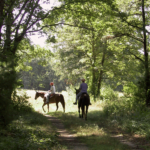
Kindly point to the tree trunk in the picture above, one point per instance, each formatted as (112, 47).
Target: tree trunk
(99, 83)
(147, 80)
(7, 86)
(93, 67)
(101, 71)
(1, 17)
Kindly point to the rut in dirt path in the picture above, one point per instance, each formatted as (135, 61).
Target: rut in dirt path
(66, 138)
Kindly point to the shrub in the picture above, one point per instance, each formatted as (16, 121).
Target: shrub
(20, 102)
(108, 93)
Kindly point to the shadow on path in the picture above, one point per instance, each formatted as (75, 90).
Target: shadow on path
(65, 138)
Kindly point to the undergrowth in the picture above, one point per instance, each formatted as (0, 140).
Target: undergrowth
(128, 114)
(29, 130)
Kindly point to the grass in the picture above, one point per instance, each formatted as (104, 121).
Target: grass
(90, 132)
(30, 131)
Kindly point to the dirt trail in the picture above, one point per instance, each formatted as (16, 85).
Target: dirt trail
(71, 141)
(65, 138)
(126, 142)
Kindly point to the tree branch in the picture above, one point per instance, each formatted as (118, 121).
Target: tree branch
(137, 57)
(129, 35)
(21, 11)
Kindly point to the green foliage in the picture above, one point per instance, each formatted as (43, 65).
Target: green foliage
(107, 93)
(20, 102)
(135, 92)
(129, 89)
(51, 39)
(10, 107)
(127, 113)
(128, 116)
(41, 75)
(92, 50)
(104, 40)
(26, 133)
(17, 20)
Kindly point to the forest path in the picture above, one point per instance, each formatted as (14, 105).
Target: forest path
(68, 139)
(71, 141)
(65, 138)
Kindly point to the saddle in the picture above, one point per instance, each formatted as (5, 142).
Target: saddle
(51, 95)
(84, 94)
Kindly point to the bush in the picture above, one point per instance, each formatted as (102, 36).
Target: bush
(21, 135)
(108, 93)
(128, 115)
(20, 102)
(136, 93)
(9, 107)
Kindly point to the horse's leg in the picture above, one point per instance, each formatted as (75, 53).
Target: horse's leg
(43, 107)
(86, 112)
(79, 110)
(83, 112)
(56, 106)
(48, 107)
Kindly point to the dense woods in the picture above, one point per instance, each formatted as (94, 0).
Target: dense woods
(104, 41)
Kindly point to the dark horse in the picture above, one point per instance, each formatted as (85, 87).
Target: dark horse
(83, 103)
(56, 98)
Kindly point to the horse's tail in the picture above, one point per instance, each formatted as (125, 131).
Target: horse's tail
(85, 100)
(84, 104)
(63, 101)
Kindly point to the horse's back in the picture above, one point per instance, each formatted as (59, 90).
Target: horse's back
(61, 98)
(52, 100)
(57, 98)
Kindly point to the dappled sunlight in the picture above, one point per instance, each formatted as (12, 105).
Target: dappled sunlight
(30, 131)
(89, 131)
(93, 130)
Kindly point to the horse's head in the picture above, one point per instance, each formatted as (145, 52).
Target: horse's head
(39, 94)
(36, 95)
(77, 91)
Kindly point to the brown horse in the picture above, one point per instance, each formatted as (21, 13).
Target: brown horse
(56, 98)
(83, 103)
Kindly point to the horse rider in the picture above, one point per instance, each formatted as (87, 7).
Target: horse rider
(50, 92)
(83, 89)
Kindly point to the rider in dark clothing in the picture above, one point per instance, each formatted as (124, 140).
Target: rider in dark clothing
(83, 88)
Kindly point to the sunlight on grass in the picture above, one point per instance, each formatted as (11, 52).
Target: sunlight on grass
(89, 131)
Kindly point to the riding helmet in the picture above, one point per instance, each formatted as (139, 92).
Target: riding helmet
(51, 83)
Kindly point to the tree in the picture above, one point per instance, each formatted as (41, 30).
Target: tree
(89, 21)
(18, 18)
(133, 24)
(83, 52)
